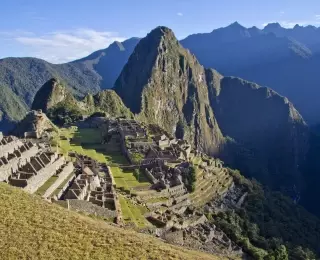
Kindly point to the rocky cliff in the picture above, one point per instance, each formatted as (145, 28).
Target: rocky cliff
(35, 123)
(51, 94)
(267, 135)
(164, 84)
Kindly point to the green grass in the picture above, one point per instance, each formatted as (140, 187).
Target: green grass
(57, 190)
(154, 200)
(127, 180)
(132, 213)
(46, 185)
(31, 228)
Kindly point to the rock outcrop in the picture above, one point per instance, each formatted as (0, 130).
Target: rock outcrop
(34, 125)
(51, 94)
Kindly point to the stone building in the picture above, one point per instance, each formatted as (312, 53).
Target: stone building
(27, 165)
(93, 190)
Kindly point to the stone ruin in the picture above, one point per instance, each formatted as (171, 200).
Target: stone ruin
(91, 190)
(27, 165)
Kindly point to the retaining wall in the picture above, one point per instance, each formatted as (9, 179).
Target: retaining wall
(68, 169)
(14, 164)
(9, 147)
(35, 182)
(90, 208)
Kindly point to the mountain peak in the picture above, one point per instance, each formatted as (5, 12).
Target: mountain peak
(273, 26)
(50, 94)
(161, 32)
(236, 25)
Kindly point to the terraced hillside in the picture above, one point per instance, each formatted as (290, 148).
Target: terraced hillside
(209, 186)
(35, 229)
(88, 142)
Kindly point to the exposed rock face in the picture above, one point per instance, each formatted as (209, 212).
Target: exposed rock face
(50, 94)
(35, 124)
(164, 84)
(270, 136)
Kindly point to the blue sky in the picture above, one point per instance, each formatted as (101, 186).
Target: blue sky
(64, 30)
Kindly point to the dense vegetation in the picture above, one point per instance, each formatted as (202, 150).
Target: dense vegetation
(271, 225)
(64, 114)
(311, 170)
(12, 108)
(191, 179)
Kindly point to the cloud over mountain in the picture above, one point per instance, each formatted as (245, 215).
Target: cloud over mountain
(64, 46)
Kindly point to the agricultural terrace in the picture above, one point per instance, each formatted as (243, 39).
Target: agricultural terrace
(88, 142)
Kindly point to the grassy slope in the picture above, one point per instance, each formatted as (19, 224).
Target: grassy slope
(31, 228)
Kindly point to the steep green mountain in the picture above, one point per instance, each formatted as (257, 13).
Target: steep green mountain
(26, 75)
(268, 135)
(55, 99)
(164, 84)
(109, 102)
(261, 56)
(51, 94)
(12, 109)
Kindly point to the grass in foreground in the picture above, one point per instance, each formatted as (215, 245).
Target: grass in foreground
(31, 228)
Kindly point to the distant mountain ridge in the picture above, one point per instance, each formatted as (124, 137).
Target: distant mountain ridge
(284, 59)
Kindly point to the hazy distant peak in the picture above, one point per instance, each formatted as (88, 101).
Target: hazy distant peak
(273, 26)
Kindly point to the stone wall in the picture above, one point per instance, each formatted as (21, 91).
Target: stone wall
(9, 147)
(150, 177)
(35, 182)
(90, 208)
(65, 187)
(178, 190)
(14, 164)
(67, 170)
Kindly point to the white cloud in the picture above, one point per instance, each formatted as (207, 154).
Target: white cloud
(180, 14)
(282, 13)
(64, 46)
(317, 16)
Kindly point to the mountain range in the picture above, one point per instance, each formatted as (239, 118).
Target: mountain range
(286, 60)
